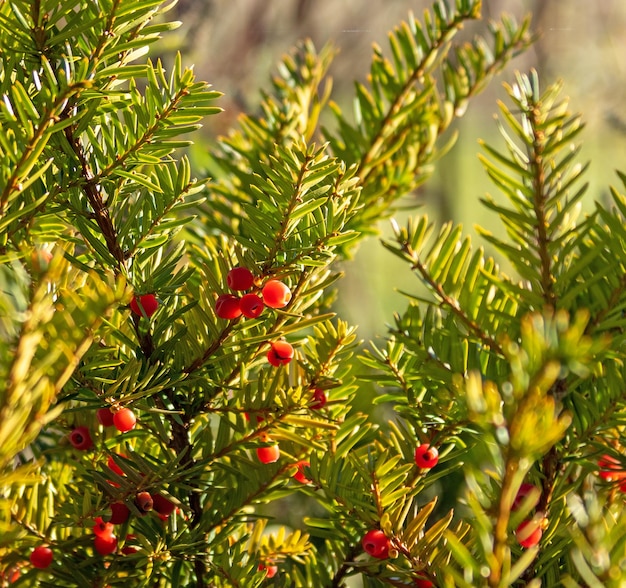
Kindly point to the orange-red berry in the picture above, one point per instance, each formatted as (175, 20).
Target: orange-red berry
(268, 454)
(124, 420)
(251, 305)
(376, 543)
(426, 457)
(102, 528)
(276, 294)
(281, 353)
(105, 544)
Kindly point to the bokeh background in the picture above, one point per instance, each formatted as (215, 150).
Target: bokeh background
(236, 44)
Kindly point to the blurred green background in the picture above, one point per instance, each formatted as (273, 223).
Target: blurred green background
(235, 45)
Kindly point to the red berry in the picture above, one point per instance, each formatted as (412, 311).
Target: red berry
(281, 353)
(276, 294)
(268, 454)
(426, 457)
(124, 420)
(105, 417)
(105, 544)
(528, 533)
(300, 475)
(144, 501)
(270, 570)
(144, 305)
(162, 505)
(101, 528)
(119, 513)
(41, 557)
(240, 278)
(524, 490)
(319, 399)
(376, 543)
(80, 438)
(610, 468)
(251, 305)
(227, 307)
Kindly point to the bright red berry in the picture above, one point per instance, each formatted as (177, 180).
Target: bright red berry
(276, 294)
(80, 438)
(144, 501)
(124, 420)
(240, 278)
(105, 417)
(319, 399)
(105, 544)
(251, 305)
(119, 513)
(162, 505)
(426, 457)
(41, 557)
(528, 533)
(101, 528)
(281, 353)
(300, 475)
(270, 570)
(144, 305)
(268, 454)
(376, 543)
(227, 307)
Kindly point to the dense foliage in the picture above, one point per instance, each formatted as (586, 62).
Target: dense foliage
(160, 414)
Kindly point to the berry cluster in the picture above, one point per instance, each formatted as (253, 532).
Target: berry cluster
(123, 420)
(273, 294)
(105, 540)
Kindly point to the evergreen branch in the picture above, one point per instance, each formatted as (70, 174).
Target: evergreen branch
(453, 305)
(536, 156)
(388, 123)
(101, 213)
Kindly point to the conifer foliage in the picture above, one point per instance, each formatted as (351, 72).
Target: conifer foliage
(173, 378)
